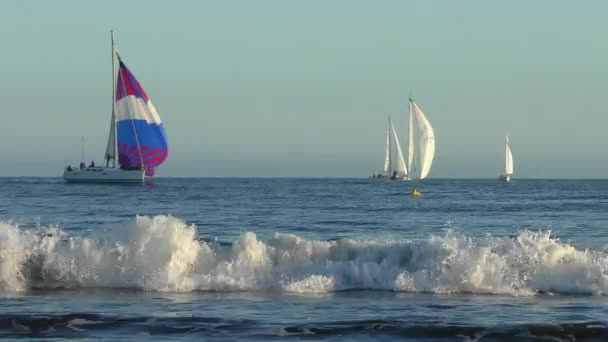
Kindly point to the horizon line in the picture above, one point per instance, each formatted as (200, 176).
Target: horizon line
(330, 177)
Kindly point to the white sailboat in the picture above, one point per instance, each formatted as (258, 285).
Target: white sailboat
(137, 143)
(506, 176)
(394, 163)
(421, 148)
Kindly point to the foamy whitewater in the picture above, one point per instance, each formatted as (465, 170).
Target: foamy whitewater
(324, 259)
(163, 253)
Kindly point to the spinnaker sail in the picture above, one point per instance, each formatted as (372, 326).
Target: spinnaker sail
(141, 137)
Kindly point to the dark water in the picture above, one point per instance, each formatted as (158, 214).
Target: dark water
(284, 259)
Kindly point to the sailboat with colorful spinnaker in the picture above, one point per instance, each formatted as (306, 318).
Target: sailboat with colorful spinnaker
(137, 142)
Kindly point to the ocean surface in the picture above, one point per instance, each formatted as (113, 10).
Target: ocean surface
(312, 259)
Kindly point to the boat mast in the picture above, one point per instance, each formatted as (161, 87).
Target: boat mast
(114, 97)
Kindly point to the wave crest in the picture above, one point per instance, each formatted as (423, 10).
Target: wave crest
(162, 253)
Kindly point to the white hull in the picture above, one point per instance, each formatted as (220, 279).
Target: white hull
(399, 178)
(504, 178)
(103, 175)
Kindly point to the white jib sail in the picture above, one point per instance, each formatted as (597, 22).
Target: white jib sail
(387, 157)
(508, 159)
(400, 162)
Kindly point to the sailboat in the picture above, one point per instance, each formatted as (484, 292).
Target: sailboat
(137, 143)
(394, 164)
(421, 147)
(506, 176)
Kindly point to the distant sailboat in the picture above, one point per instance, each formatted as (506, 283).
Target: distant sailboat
(506, 176)
(137, 135)
(421, 148)
(394, 163)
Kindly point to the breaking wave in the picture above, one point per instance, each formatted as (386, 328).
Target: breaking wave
(163, 253)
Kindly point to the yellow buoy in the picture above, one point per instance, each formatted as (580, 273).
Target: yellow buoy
(415, 192)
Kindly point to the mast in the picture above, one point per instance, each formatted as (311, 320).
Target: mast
(111, 147)
(114, 97)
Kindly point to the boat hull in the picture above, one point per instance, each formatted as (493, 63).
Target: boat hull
(401, 179)
(504, 178)
(389, 177)
(103, 175)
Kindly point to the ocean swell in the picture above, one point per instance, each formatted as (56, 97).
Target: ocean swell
(83, 325)
(163, 253)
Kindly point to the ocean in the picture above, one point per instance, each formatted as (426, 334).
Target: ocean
(314, 259)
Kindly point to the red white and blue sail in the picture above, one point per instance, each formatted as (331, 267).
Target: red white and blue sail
(140, 135)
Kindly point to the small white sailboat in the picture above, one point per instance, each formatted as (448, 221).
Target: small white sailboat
(506, 176)
(421, 148)
(137, 143)
(394, 163)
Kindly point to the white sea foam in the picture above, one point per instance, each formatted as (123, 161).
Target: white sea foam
(162, 253)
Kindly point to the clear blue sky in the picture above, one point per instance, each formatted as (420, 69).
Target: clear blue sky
(285, 88)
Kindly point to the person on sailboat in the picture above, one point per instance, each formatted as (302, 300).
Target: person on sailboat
(108, 160)
(92, 164)
(82, 165)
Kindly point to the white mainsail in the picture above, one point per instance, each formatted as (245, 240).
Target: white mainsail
(111, 148)
(421, 149)
(387, 157)
(508, 159)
